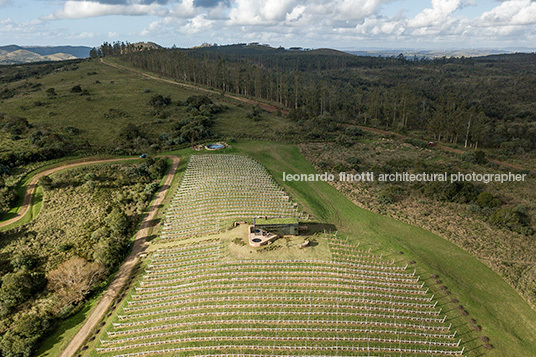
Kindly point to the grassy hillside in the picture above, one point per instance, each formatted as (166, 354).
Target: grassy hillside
(114, 99)
(503, 315)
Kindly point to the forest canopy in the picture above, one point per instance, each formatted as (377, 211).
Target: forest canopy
(479, 102)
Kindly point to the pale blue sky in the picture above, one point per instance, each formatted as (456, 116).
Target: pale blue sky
(348, 24)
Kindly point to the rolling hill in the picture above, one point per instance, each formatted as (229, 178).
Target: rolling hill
(13, 54)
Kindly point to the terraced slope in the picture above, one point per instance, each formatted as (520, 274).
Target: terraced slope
(197, 299)
(219, 188)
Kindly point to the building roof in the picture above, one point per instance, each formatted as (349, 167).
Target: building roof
(275, 221)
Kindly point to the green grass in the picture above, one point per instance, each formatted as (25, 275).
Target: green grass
(58, 340)
(273, 220)
(37, 204)
(127, 95)
(504, 316)
(233, 122)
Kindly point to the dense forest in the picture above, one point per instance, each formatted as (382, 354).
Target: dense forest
(478, 102)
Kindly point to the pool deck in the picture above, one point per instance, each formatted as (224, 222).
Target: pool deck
(260, 237)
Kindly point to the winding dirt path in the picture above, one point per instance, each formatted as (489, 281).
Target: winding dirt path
(267, 107)
(30, 189)
(138, 247)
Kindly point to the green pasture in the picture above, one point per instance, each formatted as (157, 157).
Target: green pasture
(503, 315)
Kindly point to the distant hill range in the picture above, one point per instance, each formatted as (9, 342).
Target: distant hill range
(431, 53)
(256, 48)
(13, 54)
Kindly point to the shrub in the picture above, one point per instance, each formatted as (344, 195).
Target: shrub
(46, 182)
(110, 250)
(130, 132)
(4, 170)
(344, 140)
(151, 188)
(76, 89)
(352, 131)
(51, 92)
(117, 221)
(197, 101)
(7, 198)
(19, 286)
(71, 130)
(239, 241)
(416, 142)
(159, 101)
(461, 192)
(298, 115)
(22, 338)
(511, 218)
(255, 114)
(480, 157)
(486, 199)
(388, 195)
(16, 125)
(354, 162)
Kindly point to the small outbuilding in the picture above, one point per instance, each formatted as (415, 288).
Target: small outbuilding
(266, 229)
(281, 225)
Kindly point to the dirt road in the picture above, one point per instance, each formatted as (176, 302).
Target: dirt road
(267, 107)
(31, 186)
(125, 270)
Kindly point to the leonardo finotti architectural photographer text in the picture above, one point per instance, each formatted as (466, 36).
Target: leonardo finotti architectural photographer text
(407, 177)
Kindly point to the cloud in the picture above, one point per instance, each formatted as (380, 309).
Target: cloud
(154, 27)
(511, 12)
(86, 9)
(196, 25)
(211, 3)
(128, 2)
(4, 3)
(439, 13)
(274, 12)
(310, 23)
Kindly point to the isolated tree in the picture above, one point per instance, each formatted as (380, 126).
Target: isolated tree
(74, 279)
(93, 53)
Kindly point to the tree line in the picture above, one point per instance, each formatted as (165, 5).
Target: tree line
(476, 102)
